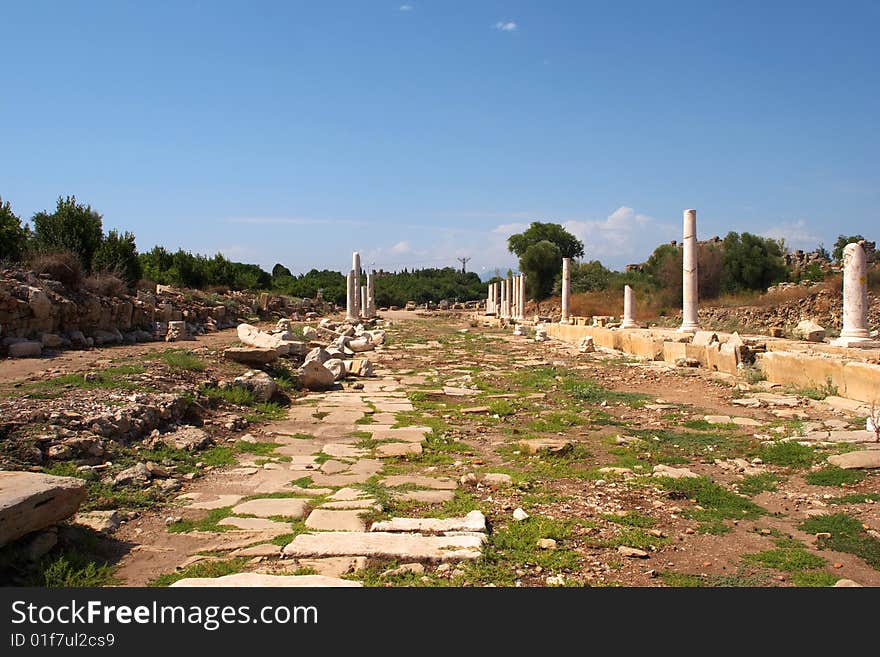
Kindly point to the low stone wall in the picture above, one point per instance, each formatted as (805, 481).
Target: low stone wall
(854, 372)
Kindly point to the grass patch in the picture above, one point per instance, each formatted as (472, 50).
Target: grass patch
(788, 453)
(758, 483)
(590, 392)
(788, 559)
(834, 476)
(816, 579)
(72, 569)
(847, 535)
(203, 569)
(855, 498)
(259, 449)
(110, 378)
(179, 359)
(636, 538)
(717, 503)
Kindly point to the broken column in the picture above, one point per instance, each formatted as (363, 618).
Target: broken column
(350, 309)
(629, 320)
(371, 295)
(855, 296)
(566, 289)
(356, 271)
(689, 319)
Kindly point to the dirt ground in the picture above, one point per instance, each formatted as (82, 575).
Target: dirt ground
(639, 481)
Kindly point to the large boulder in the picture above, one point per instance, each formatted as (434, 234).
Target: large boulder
(337, 366)
(26, 349)
(318, 355)
(31, 501)
(189, 438)
(252, 356)
(314, 376)
(261, 385)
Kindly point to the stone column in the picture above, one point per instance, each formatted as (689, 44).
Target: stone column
(350, 310)
(371, 295)
(503, 297)
(522, 297)
(566, 289)
(689, 320)
(855, 296)
(364, 302)
(509, 309)
(356, 269)
(629, 320)
(514, 300)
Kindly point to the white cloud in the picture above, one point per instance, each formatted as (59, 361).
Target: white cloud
(506, 26)
(795, 233)
(406, 7)
(401, 247)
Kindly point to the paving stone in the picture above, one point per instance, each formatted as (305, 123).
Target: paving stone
(249, 580)
(453, 391)
(438, 483)
(402, 434)
(329, 520)
(342, 450)
(474, 521)
(410, 547)
(551, 445)
(347, 494)
(387, 450)
(746, 422)
(288, 507)
(718, 419)
(260, 550)
(208, 501)
(257, 524)
(368, 503)
(334, 467)
(427, 496)
(333, 566)
(343, 479)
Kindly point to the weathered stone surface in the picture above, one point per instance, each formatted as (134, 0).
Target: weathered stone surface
(437, 483)
(256, 524)
(188, 438)
(342, 450)
(334, 566)
(497, 479)
(673, 473)
(251, 356)
(337, 366)
(810, 331)
(318, 354)
(405, 569)
(250, 580)
(261, 385)
(331, 520)
(387, 545)
(427, 496)
(551, 445)
(103, 522)
(314, 376)
(334, 467)
(287, 507)
(136, 475)
(867, 458)
(30, 501)
(847, 583)
(387, 450)
(207, 501)
(474, 521)
(633, 553)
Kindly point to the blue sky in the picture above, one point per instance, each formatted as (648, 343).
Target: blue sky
(420, 131)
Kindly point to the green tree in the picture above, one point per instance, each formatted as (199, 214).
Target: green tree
(540, 249)
(280, 270)
(118, 255)
(13, 236)
(73, 226)
(751, 262)
(840, 245)
(589, 276)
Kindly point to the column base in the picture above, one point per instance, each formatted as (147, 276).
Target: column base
(856, 343)
(691, 327)
(629, 324)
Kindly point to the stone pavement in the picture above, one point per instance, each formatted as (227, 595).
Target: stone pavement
(314, 487)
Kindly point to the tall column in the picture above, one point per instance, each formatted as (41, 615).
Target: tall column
(514, 301)
(503, 297)
(371, 295)
(629, 320)
(509, 308)
(689, 319)
(350, 311)
(364, 302)
(855, 296)
(522, 297)
(356, 269)
(566, 289)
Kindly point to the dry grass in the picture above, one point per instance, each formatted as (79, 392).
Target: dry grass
(61, 266)
(105, 284)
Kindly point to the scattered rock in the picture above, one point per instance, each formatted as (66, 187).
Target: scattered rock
(103, 522)
(32, 501)
(633, 553)
(415, 568)
(867, 458)
(519, 514)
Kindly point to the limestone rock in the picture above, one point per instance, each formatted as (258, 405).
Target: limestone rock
(497, 479)
(386, 450)
(519, 514)
(314, 376)
(389, 545)
(474, 521)
(337, 366)
(189, 438)
(866, 458)
(260, 384)
(136, 475)
(847, 583)
(810, 331)
(31, 501)
(633, 553)
(103, 522)
(252, 356)
(403, 569)
(318, 354)
(673, 473)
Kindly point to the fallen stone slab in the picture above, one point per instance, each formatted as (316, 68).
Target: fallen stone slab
(718, 419)
(402, 434)
(286, 507)
(474, 521)
(259, 550)
(459, 392)
(388, 545)
(334, 566)
(30, 501)
(476, 409)
(864, 459)
(103, 522)
(251, 356)
(388, 450)
(673, 473)
(336, 521)
(250, 580)
(497, 479)
(208, 502)
(314, 376)
(437, 483)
